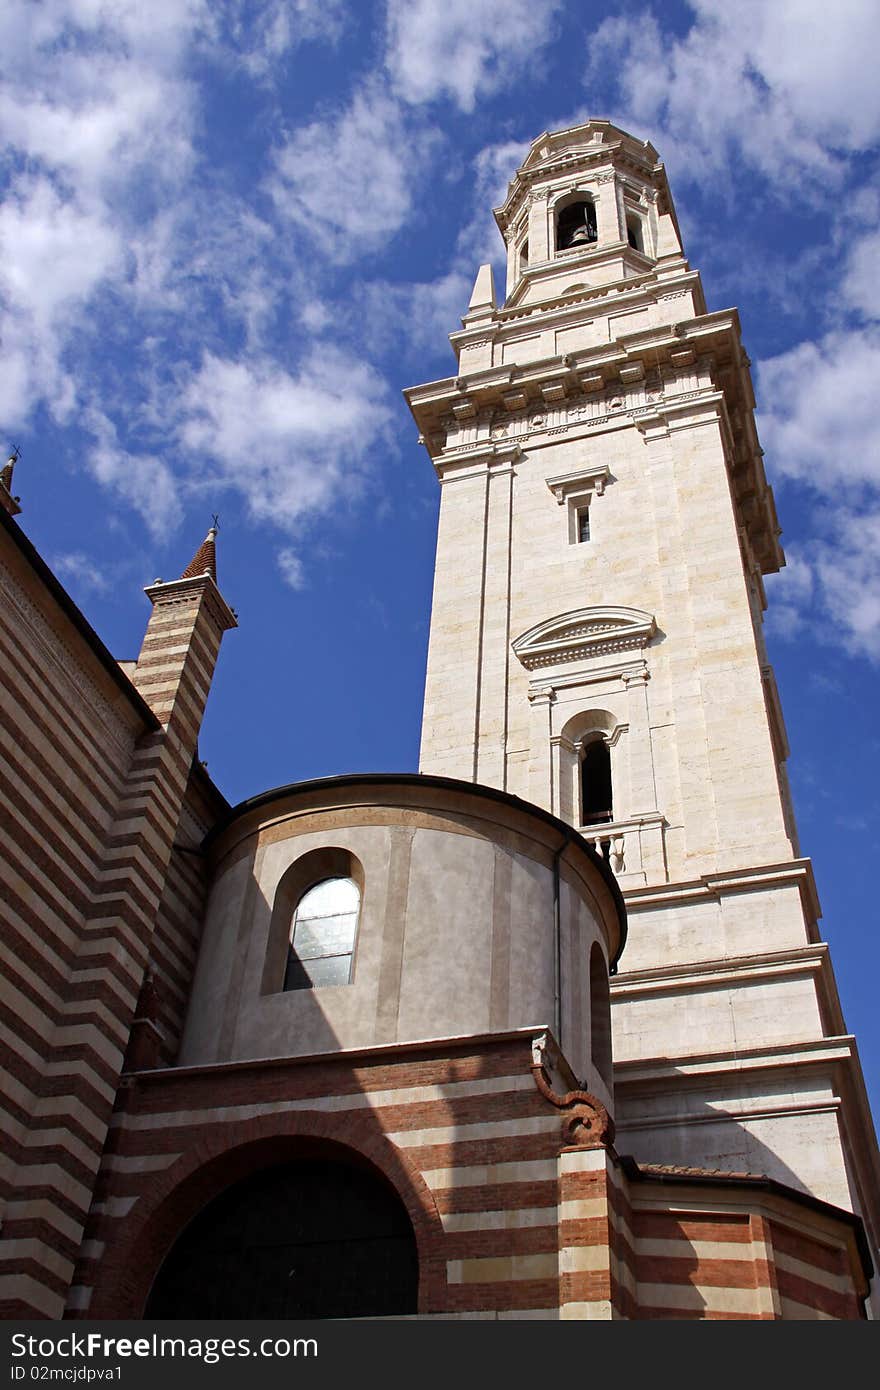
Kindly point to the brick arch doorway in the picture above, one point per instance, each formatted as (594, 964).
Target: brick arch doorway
(137, 1245)
(320, 1235)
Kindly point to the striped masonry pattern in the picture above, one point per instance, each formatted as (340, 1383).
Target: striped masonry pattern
(97, 796)
(181, 913)
(474, 1143)
(508, 1221)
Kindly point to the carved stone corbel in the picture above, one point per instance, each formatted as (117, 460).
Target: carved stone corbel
(586, 1123)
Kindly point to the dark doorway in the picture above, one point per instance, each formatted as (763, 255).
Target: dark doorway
(596, 783)
(309, 1239)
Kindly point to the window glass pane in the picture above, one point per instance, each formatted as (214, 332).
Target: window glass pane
(328, 899)
(324, 936)
(329, 970)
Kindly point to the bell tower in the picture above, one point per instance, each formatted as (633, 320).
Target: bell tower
(596, 648)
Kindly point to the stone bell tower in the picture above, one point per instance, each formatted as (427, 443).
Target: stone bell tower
(596, 648)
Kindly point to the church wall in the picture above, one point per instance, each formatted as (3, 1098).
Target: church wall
(785, 1125)
(718, 921)
(66, 740)
(460, 1129)
(175, 942)
(456, 930)
(517, 1212)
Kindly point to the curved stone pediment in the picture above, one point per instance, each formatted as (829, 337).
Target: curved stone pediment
(585, 633)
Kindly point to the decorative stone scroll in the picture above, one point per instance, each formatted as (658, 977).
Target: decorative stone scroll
(586, 1123)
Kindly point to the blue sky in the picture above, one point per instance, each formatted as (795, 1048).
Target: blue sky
(234, 230)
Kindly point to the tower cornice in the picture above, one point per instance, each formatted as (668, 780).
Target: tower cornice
(662, 378)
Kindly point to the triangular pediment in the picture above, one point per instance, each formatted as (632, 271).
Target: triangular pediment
(585, 633)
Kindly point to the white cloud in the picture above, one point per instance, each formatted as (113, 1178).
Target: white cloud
(818, 426)
(425, 313)
(818, 416)
(785, 86)
(350, 182)
(293, 444)
(144, 480)
(849, 575)
(462, 50)
(95, 90)
(861, 278)
(292, 568)
(494, 167)
(790, 595)
(834, 589)
(82, 571)
(259, 35)
(422, 315)
(53, 255)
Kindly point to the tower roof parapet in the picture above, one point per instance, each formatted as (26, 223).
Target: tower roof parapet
(562, 153)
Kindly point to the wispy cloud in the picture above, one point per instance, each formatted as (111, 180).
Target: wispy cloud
(291, 442)
(81, 571)
(349, 182)
(45, 281)
(784, 88)
(818, 420)
(462, 51)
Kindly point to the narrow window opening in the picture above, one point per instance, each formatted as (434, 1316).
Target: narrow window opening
(600, 1015)
(322, 935)
(596, 783)
(524, 254)
(634, 233)
(583, 524)
(576, 225)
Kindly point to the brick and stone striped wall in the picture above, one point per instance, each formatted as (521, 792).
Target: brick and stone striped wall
(511, 1219)
(96, 779)
(181, 913)
(67, 737)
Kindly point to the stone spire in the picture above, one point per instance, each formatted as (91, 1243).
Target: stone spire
(182, 641)
(7, 501)
(205, 559)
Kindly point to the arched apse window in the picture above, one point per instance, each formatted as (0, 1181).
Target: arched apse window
(322, 935)
(600, 1015)
(315, 1238)
(596, 799)
(576, 225)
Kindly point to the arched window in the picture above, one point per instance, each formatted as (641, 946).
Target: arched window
(596, 783)
(576, 225)
(524, 254)
(315, 1238)
(322, 935)
(634, 232)
(600, 1015)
